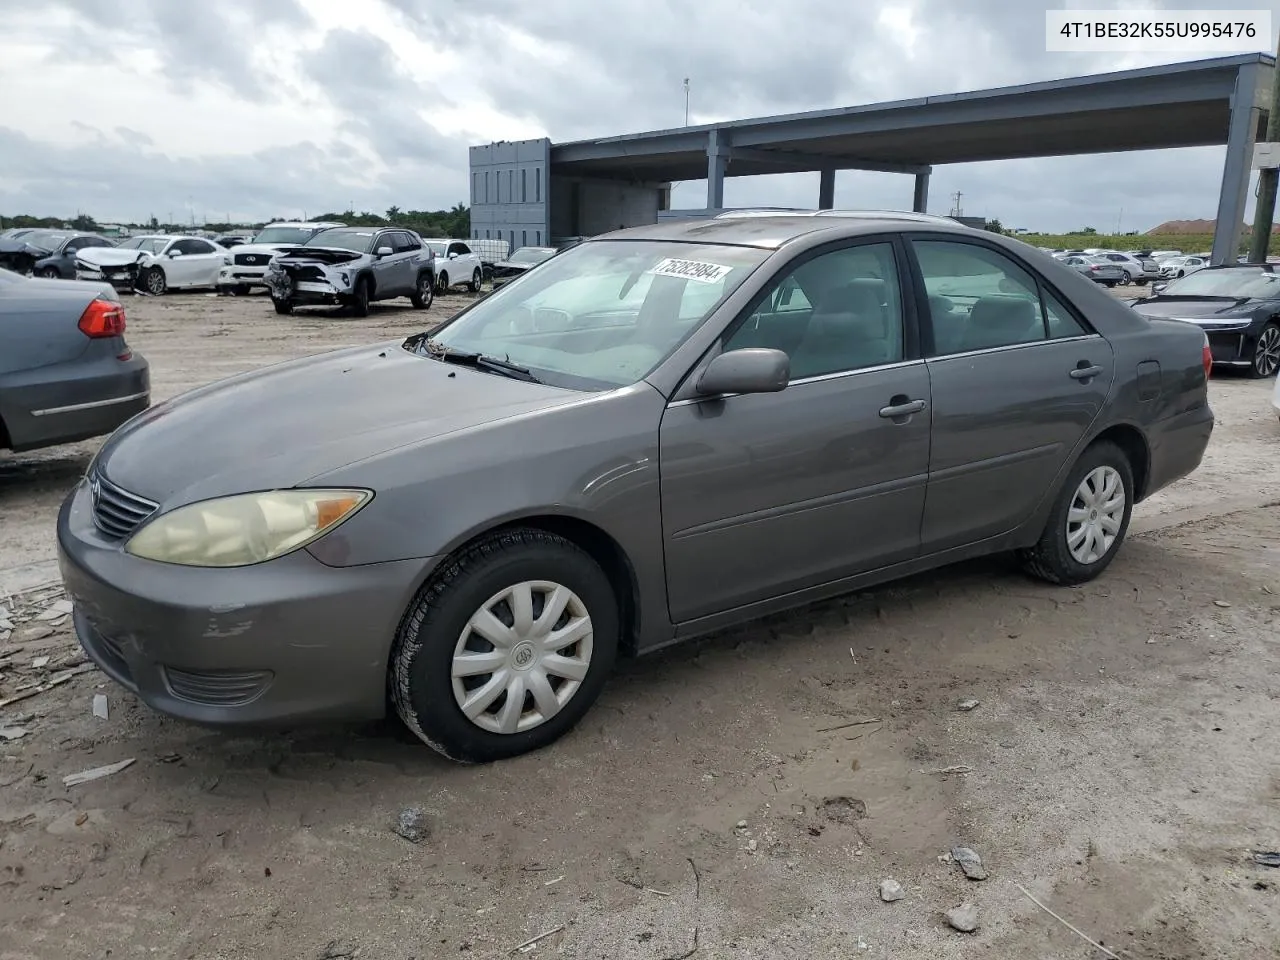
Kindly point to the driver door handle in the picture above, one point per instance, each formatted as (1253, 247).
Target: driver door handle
(904, 409)
(1085, 373)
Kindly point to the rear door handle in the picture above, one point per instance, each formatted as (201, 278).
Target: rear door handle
(902, 409)
(1085, 373)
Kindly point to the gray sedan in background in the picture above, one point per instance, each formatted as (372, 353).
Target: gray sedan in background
(659, 433)
(1097, 268)
(66, 372)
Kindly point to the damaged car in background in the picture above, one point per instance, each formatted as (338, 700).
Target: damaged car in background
(153, 264)
(243, 268)
(352, 267)
(20, 254)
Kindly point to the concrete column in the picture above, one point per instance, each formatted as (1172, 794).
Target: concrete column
(920, 202)
(827, 189)
(1237, 168)
(717, 161)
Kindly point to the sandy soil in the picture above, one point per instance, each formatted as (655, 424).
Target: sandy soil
(722, 799)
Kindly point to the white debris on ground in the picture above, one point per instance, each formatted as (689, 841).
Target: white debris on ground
(33, 656)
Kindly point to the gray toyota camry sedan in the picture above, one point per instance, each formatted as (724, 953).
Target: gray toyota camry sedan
(659, 433)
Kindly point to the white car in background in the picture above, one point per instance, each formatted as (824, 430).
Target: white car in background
(455, 263)
(153, 264)
(1176, 267)
(244, 266)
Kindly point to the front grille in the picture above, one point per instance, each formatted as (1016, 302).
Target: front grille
(252, 259)
(116, 511)
(222, 689)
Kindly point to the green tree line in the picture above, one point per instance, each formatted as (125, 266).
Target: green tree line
(430, 223)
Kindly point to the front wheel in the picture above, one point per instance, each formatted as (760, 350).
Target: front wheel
(49, 273)
(153, 281)
(360, 300)
(283, 307)
(442, 285)
(1088, 521)
(506, 648)
(425, 291)
(1266, 353)
(476, 280)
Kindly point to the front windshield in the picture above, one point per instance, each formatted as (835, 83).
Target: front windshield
(149, 244)
(290, 235)
(344, 238)
(531, 255)
(605, 313)
(435, 246)
(1253, 282)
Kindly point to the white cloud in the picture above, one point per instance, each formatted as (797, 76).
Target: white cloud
(262, 109)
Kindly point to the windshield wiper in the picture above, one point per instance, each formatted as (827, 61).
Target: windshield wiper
(481, 361)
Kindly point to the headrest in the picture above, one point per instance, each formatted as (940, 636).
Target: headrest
(1003, 314)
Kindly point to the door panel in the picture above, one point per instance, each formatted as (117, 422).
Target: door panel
(1003, 424)
(1017, 379)
(770, 493)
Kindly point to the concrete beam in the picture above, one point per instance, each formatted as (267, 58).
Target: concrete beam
(827, 189)
(920, 200)
(717, 161)
(1237, 168)
(817, 161)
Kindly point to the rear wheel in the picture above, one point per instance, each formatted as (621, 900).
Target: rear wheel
(1088, 521)
(476, 280)
(506, 648)
(1266, 353)
(425, 291)
(1128, 277)
(153, 281)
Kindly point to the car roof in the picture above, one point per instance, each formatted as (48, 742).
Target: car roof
(771, 229)
(305, 223)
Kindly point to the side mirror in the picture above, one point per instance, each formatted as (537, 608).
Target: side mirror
(453, 256)
(1158, 287)
(385, 251)
(174, 253)
(749, 370)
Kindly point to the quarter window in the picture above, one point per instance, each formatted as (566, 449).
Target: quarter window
(979, 299)
(1060, 320)
(838, 312)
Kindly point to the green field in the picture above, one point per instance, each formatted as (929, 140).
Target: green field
(1186, 242)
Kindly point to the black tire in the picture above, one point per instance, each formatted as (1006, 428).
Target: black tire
(1050, 559)
(283, 307)
(425, 293)
(242, 290)
(1128, 277)
(1109, 283)
(442, 284)
(476, 280)
(154, 282)
(421, 664)
(1142, 282)
(360, 300)
(1265, 359)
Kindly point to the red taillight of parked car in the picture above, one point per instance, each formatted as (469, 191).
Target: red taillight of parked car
(102, 318)
(1206, 356)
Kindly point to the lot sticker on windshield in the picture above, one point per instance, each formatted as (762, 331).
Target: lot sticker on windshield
(691, 270)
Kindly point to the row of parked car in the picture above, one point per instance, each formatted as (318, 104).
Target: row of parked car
(1139, 267)
(373, 263)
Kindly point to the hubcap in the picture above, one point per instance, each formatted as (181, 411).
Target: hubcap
(522, 656)
(1095, 515)
(1267, 356)
(155, 283)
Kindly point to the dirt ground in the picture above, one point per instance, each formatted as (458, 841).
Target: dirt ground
(729, 798)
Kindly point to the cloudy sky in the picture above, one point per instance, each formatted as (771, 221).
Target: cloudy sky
(262, 108)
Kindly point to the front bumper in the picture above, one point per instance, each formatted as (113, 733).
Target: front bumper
(284, 641)
(235, 276)
(121, 278)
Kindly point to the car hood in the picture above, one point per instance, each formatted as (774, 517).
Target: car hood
(286, 424)
(269, 248)
(1203, 308)
(20, 245)
(320, 254)
(111, 256)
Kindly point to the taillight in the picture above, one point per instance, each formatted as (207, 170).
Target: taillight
(102, 318)
(1206, 355)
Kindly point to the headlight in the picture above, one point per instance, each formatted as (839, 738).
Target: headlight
(244, 529)
(226, 261)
